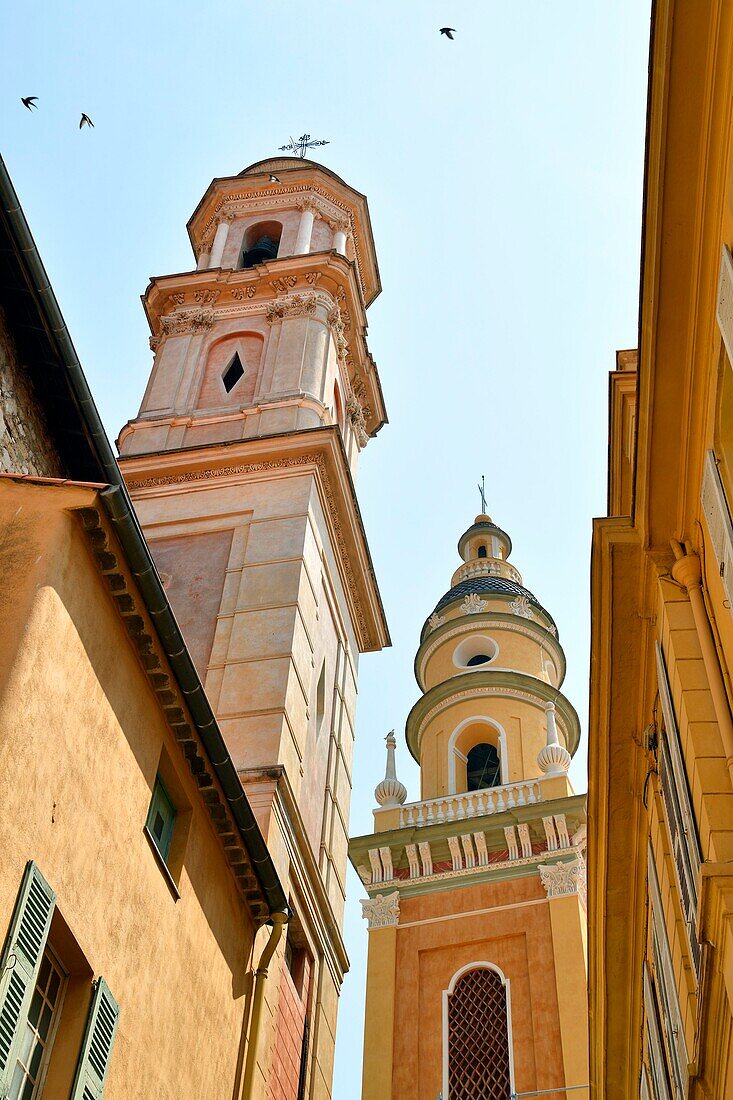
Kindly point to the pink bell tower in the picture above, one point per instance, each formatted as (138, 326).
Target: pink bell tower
(241, 463)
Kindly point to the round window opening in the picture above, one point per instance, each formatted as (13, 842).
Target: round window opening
(475, 652)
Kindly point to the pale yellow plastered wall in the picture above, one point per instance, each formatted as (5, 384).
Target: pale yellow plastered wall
(81, 734)
(523, 723)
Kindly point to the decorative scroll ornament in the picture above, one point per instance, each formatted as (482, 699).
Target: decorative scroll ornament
(294, 305)
(178, 298)
(355, 414)
(521, 607)
(336, 322)
(206, 297)
(559, 879)
(383, 911)
(192, 320)
(554, 758)
(553, 630)
(390, 792)
(312, 277)
(473, 604)
(240, 292)
(435, 621)
(284, 284)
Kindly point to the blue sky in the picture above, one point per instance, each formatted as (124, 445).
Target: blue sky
(504, 177)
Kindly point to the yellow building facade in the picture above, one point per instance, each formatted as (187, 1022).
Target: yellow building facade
(133, 876)
(476, 979)
(661, 748)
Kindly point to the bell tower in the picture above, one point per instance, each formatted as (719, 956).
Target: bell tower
(476, 980)
(241, 463)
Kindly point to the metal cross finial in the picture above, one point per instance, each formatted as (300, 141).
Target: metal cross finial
(482, 490)
(302, 145)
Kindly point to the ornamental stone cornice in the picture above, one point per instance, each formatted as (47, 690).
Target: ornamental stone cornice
(522, 867)
(232, 294)
(486, 683)
(445, 630)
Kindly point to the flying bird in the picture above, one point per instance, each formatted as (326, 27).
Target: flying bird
(85, 121)
(29, 101)
(448, 32)
(274, 179)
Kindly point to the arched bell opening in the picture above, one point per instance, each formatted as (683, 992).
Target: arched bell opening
(477, 756)
(483, 767)
(261, 243)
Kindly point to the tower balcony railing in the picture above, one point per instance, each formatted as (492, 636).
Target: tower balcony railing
(486, 567)
(456, 807)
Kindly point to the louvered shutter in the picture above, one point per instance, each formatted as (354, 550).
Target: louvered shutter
(21, 962)
(97, 1047)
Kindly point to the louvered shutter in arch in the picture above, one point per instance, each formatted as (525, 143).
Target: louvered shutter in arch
(21, 962)
(96, 1050)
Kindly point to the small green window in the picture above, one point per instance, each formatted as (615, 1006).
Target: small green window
(161, 819)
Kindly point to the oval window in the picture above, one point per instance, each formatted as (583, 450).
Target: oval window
(475, 652)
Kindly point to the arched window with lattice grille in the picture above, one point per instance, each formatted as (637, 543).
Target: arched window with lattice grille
(477, 1063)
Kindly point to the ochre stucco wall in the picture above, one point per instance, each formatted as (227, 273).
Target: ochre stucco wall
(506, 923)
(81, 735)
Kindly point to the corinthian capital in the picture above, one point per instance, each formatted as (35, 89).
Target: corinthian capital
(564, 878)
(307, 202)
(382, 911)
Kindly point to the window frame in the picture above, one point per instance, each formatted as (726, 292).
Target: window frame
(679, 813)
(447, 993)
(665, 988)
(53, 1025)
(160, 795)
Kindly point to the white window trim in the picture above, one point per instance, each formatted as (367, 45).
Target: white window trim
(453, 752)
(657, 1060)
(666, 979)
(446, 994)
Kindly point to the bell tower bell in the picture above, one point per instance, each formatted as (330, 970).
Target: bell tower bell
(241, 464)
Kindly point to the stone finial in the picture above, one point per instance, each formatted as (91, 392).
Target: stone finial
(554, 758)
(390, 792)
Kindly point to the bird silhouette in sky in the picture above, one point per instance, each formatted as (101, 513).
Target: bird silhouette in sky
(274, 179)
(29, 101)
(85, 121)
(448, 32)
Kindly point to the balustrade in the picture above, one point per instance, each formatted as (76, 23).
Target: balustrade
(468, 804)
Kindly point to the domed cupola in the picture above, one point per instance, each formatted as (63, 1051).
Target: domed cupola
(487, 575)
(490, 666)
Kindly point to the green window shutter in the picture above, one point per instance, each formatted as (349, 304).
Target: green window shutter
(161, 819)
(21, 962)
(96, 1049)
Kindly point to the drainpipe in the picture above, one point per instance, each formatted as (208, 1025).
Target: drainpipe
(687, 572)
(279, 920)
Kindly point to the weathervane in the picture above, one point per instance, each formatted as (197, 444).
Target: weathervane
(302, 145)
(482, 490)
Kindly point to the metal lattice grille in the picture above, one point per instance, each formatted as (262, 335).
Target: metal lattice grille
(478, 1040)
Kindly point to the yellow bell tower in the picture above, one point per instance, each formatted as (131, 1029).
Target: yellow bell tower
(476, 980)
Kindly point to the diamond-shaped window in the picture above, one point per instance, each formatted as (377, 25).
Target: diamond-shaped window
(233, 373)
